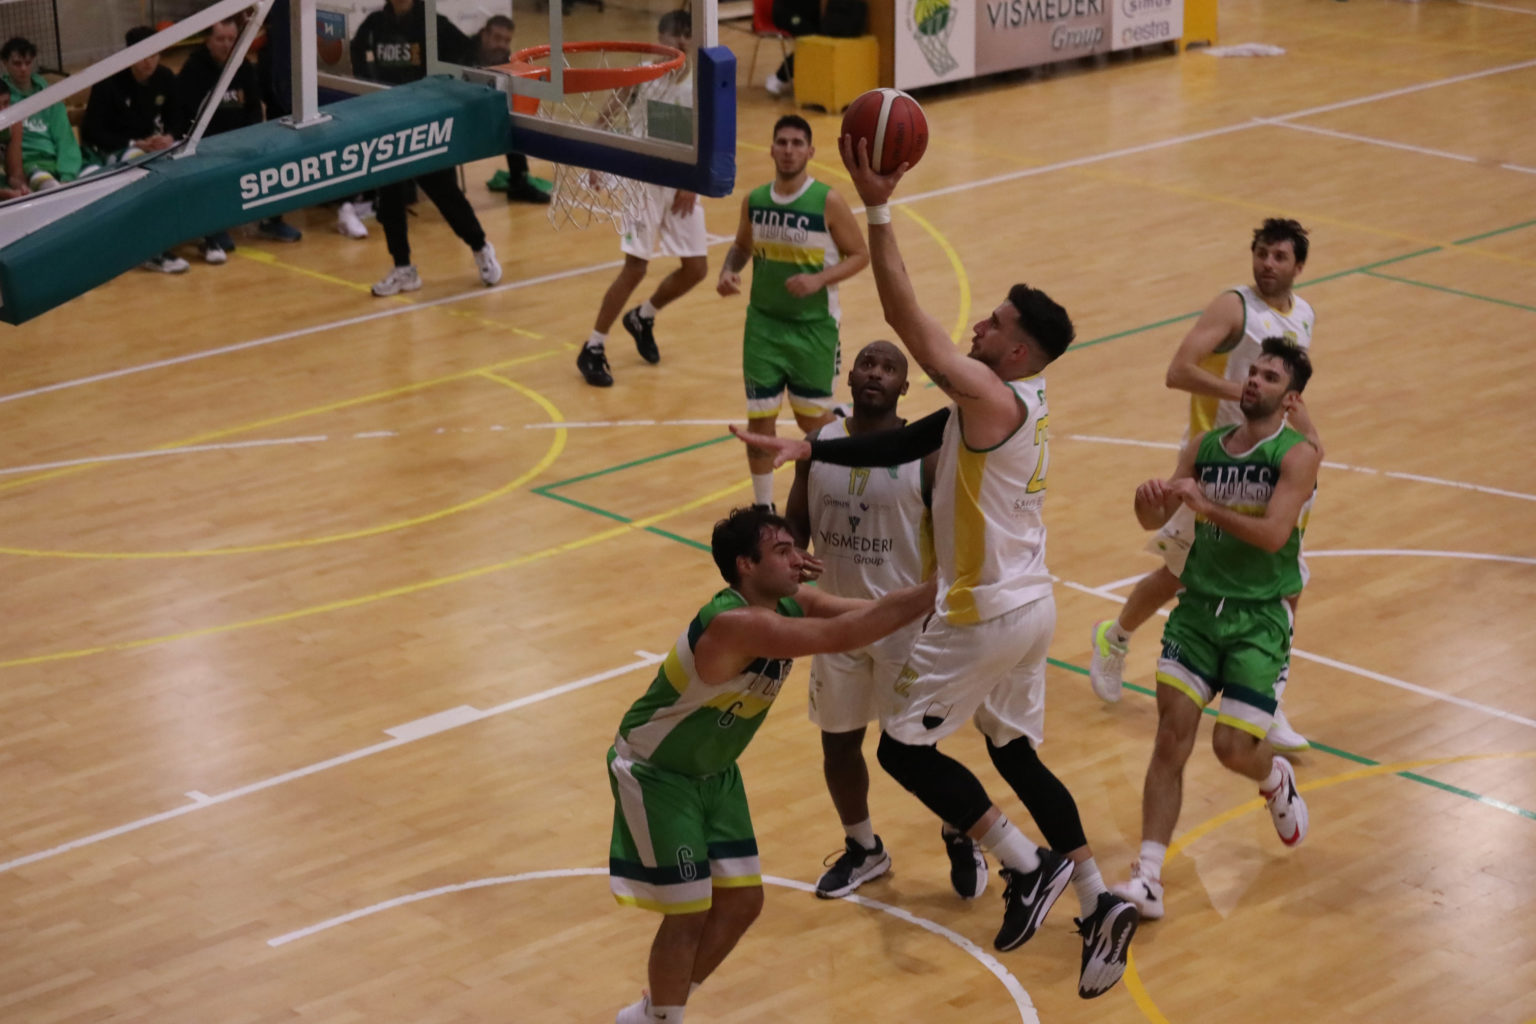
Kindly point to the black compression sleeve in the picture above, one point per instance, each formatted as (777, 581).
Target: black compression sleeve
(885, 447)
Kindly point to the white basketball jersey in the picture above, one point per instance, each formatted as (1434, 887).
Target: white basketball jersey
(988, 534)
(1260, 321)
(866, 524)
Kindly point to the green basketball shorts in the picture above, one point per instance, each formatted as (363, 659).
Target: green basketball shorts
(676, 837)
(799, 355)
(1235, 648)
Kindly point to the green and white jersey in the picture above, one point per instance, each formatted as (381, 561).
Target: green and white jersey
(789, 237)
(1219, 564)
(684, 725)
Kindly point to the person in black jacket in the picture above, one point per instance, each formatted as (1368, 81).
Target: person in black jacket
(390, 47)
(133, 113)
(239, 107)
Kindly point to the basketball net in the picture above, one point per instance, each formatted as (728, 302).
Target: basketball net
(582, 197)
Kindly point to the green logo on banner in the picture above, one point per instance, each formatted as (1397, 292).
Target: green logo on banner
(930, 22)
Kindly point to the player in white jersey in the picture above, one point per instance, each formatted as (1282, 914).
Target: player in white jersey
(1212, 365)
(868, 528)
(671, 222)
(982, 655)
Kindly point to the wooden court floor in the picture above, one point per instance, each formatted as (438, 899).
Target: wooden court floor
(321, 610)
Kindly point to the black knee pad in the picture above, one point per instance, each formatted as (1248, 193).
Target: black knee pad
(945, 786)
(1047, 799)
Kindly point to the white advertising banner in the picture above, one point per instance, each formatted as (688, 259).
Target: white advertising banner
(935, 42)
(1144, 22)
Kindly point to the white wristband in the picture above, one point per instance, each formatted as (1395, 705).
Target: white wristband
(878, 214)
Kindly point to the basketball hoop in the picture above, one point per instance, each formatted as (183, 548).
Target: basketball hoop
(602, 82)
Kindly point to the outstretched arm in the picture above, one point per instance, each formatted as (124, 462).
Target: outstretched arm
(881, 448)
(736, 638)
(990, 406)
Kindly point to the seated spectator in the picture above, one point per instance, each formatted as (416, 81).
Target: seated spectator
(15, 178)
(50, 155)
(133, 113)
(493, 47)
(239, 107)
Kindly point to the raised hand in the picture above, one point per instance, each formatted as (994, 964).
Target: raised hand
(874, 189)
(784, 449)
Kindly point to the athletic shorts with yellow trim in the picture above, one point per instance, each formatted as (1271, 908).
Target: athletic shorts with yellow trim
(802, 356)
(1238, 649)
(676, 837)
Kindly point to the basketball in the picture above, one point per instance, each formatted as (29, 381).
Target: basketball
(893, 123)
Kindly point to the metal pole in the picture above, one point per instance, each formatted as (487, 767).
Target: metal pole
(104, 69)
(236, 59)
(306, 62)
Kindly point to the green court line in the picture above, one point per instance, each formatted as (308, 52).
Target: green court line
(545, 492)
(1451, 291)
(629, 465)
(1497, 231)
(1346, 755)
(658, 531)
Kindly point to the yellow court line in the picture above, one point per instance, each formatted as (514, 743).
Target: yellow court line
(402, 591)
(1133, 983)
(344, 403)
(260, 256)
(557, 445)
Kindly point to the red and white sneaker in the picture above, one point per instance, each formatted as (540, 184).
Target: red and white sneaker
(1286, 807)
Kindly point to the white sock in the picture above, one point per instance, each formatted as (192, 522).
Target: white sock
(1011, 846)
(1151, 859)
(596, 339)
(647, 311)
(762, 488)
(862, 833)
(1088, 883)
(1275, 777)
(1118, 633)
(667, 1014)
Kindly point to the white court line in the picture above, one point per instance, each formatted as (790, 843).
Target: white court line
(1388, 143)
(1373, 553)
(1454, 483)
(612, 264)
(1351, 136)
(1424, 691)
(644, 423)
(1408, 89)
(160, 453)
(1496, 7)
(315, 329)
(201, 801)
(1026, 1007)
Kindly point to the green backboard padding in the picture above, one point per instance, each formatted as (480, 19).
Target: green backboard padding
(251, 174)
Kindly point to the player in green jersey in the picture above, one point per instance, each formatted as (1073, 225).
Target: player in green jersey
(802, 239)
(1250, 486)
(682, 836)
